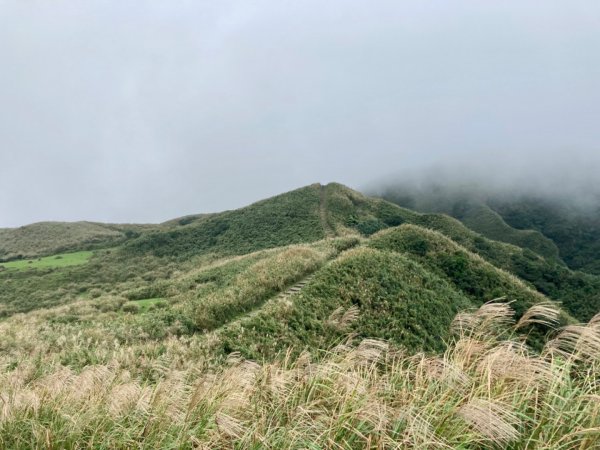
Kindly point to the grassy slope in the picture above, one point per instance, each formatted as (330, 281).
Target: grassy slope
(487, 222)
(397, 299)
(579, 292)
(289, 218)
(60, 260)
(470, 274)
(575, 231)
(49, 238)
(282, 220)
(487, 391)
(46, 238)
(407, 286)
(470, 207)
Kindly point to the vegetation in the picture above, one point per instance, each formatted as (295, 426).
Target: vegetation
(575, 230)
(61, 260)
(487, 390)
(533, 257)
(397, 298)
(253, 286)
(290, 218)
(49, 238)
(472, 209)
(317, 318)
(484, 220)
(578, 292)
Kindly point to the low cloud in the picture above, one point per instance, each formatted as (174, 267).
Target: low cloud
(120, 111)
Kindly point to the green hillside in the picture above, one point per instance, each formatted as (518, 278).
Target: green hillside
(45, 238)
(150, 256)
(393, 296)
(578, 292)
(60, 260)
(471, 207)
(50, 238)
(487, 222)
(304, 215)
(311, 286)
(574, 229)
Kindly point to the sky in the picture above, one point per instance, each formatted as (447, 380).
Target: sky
(129, 111)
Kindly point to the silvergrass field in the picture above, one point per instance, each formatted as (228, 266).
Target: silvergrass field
(319, 318)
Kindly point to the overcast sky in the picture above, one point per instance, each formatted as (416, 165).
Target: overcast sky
(140, 111)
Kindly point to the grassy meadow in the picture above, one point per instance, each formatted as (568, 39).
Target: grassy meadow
(60, 260)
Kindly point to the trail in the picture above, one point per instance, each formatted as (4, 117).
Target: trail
(282, 297)
(323, 213)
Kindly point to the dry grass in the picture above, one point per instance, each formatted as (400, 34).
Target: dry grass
(487, 391)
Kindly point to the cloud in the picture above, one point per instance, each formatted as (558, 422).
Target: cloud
(121, 111)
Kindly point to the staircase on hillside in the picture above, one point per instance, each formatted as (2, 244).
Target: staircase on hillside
(297, 287)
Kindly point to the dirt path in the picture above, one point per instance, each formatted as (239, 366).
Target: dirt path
(323, 213)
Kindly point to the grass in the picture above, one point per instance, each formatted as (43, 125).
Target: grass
(54, 261)
(577, 291)
(469, 273)
(254, 285)
(146, 303)
(142, 266)
(398, 300)
(469, 204)
(47, 238)
(290, 218)
(487, 390)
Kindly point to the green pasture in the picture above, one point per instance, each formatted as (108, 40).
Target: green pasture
(61, 260)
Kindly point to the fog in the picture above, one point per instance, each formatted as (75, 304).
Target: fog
(127, 111)
(569, 178)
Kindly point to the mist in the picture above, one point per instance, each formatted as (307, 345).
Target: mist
(568, 178)
(125, 111)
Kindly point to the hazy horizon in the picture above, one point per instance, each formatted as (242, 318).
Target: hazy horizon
(115, 112)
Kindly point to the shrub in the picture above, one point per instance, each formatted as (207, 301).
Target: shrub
(107, 304)
(131, 307)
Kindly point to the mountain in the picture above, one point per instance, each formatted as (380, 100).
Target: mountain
(575, 229)
(145, 257)
(316, 284)
(559, 228)
(304, 215)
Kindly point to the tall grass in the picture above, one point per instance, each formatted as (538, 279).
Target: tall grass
(256, 284)
(488, 390)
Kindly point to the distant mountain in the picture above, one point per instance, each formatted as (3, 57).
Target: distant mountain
(556, 228)
(575, 230)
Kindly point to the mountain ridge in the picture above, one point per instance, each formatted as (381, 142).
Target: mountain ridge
(308, 215)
